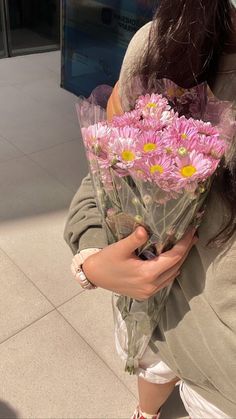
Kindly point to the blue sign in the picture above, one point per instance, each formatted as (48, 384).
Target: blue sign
(95, 37)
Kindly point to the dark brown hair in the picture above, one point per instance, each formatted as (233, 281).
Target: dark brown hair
(186, 39)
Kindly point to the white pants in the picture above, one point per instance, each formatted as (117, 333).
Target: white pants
(153, 369)
(197, 407)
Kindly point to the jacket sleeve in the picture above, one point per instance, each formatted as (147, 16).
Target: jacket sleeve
(84, 227)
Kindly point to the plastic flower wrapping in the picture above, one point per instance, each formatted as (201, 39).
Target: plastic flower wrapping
(153, 166)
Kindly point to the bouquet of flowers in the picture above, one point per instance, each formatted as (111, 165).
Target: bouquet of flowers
(153, 166)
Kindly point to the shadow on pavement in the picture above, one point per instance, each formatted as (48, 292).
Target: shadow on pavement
(7, 412)
(174, 408)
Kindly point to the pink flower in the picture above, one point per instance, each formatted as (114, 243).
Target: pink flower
(137, 171)
(183, 130)
(123, 148)
(209, 141)
(94, 134)
(127, 119)
(152, 105)
(149, 123)
(149, 142)
(174, 147)
(156, 168)
(193, 168)
(167, 117)
(96, 138)
(204, 128)
(212, 146)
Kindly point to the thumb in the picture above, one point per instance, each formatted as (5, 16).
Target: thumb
(133, 241)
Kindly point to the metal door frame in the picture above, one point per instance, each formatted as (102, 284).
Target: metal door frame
(4, 29)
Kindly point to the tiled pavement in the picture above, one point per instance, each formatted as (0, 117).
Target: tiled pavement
(57, 356)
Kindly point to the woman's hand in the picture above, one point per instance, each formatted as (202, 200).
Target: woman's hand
(118, 269)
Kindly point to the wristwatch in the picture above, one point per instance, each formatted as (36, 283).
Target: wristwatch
(77, 268)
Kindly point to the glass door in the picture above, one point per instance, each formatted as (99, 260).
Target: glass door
(32, 25)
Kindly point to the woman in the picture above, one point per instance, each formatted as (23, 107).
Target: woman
(189, 41)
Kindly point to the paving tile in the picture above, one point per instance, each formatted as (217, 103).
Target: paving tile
(15, 107)
(49, 60)
(19, 70)
(37, 246)
(49, 93)
(66, 162)
(91, 315)
(8, 151)
(20, 302)
(29, 190)
(43, 113)
(42, 133)
(48, 371)
(30, 125)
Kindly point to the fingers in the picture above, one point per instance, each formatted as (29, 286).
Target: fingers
(172, 273)
(127, 246)
(185, 244)
(194, 241)
(175, 256)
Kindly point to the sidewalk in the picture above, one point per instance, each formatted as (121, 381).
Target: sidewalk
(57, 355)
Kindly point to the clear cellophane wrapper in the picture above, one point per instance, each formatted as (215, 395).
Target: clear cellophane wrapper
(126, 202)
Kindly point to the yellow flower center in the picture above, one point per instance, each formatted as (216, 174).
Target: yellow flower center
(149, 147)
(156, 168)
(184, 136)
(188, 171)
(127, 155)
(151, 105)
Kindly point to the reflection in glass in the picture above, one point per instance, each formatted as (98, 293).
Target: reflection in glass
(34, 25)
